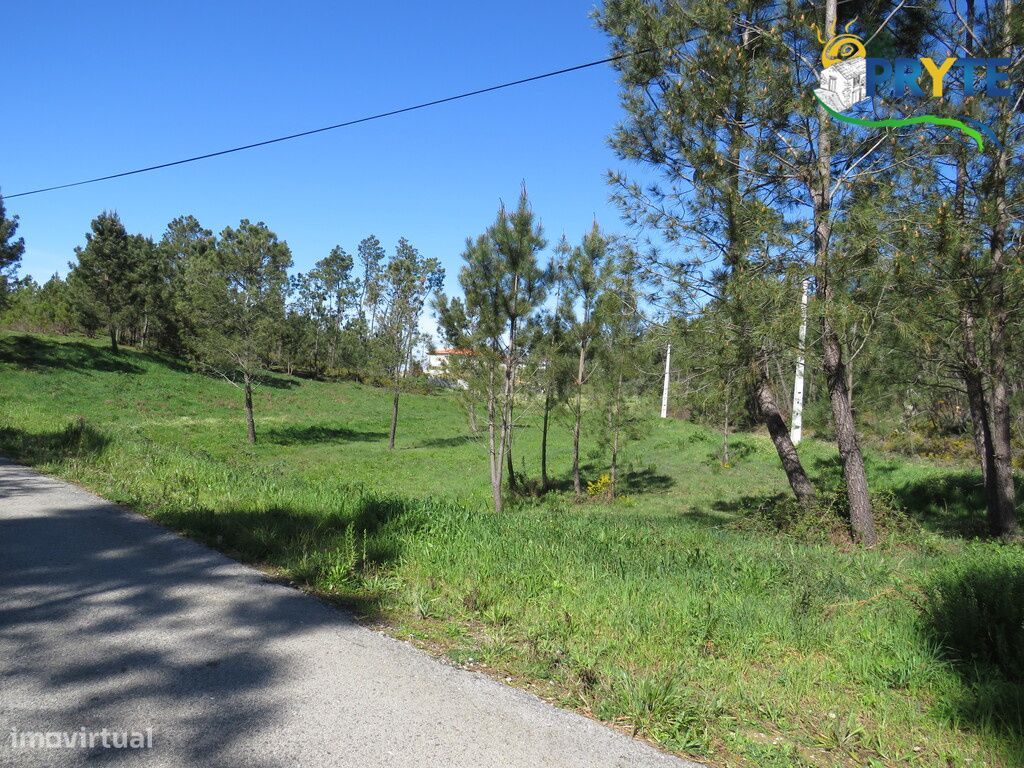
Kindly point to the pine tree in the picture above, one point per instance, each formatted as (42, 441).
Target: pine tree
(408, 280)
(11, 251)
(696, 107)
(503, 284)
(234, 295)
(620, 342)
(587, 272)
(105, 276)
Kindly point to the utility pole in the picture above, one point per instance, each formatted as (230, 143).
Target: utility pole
(796, 428)
(664, 391)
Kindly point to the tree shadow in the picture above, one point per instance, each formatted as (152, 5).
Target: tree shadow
(768, 512)
(78, 438)
(952, 505)
(975, 616)
(563, 483)
(117, 624)
(318, 434)
(326, 552)
(646, 480)
(630, 482)
(448, 442)
(745, 505)
(35, 354)
(739, 450)
(273, 381)
(715, 517)
(828, 472)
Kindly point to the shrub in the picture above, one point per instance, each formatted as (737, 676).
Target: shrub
(600, 488)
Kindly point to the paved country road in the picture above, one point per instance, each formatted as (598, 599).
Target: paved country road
(108, 620)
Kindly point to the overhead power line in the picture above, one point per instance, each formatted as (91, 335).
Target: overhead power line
(345, 124)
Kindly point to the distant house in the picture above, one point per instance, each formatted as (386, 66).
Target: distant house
(844, 84)
(438, 363)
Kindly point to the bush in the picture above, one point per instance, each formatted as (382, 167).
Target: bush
(600, 488)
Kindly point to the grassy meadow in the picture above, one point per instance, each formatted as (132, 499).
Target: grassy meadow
(698, 610)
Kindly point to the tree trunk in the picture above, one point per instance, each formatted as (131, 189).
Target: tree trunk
(113, 336)
(983, 445)
(1004, 522)
(772, 417)
(796, 423)
(1003, 514)
(765, 406)
(725, 431)
(492, 447)
(339, 319)
(505, 449)
(250, 422)
(471, 413)
(544, 483)
(394, 418)
(971, 373)
(577, 484)
(616, 419)
(862, 520)
(512, 482)
(848, 361)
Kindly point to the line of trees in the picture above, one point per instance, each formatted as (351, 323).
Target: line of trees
(227, 302)
(566, 333)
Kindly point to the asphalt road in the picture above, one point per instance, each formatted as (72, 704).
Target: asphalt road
(109, 621)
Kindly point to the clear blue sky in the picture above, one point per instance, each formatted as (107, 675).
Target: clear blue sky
(95, 88)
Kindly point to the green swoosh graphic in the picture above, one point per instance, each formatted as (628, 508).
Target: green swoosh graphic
(899, 122)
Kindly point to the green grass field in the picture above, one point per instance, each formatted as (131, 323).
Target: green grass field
(696, 610)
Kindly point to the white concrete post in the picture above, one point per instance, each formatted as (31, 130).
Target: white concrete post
(664, 391)
(796, 429)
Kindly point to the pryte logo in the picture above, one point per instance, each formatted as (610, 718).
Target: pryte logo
(849, 77)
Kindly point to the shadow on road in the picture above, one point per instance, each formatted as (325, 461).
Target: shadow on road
(109, 621)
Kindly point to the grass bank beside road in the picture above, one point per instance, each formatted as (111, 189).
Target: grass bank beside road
(696, 610)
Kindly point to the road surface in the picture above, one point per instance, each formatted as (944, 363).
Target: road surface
(109, 621)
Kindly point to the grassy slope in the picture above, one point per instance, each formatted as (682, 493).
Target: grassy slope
(658, 611)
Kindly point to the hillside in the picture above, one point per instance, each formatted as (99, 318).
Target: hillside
(697, 610)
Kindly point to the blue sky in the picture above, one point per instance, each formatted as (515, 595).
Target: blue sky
(95, 88)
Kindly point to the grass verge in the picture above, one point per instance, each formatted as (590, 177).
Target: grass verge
(699, 611)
